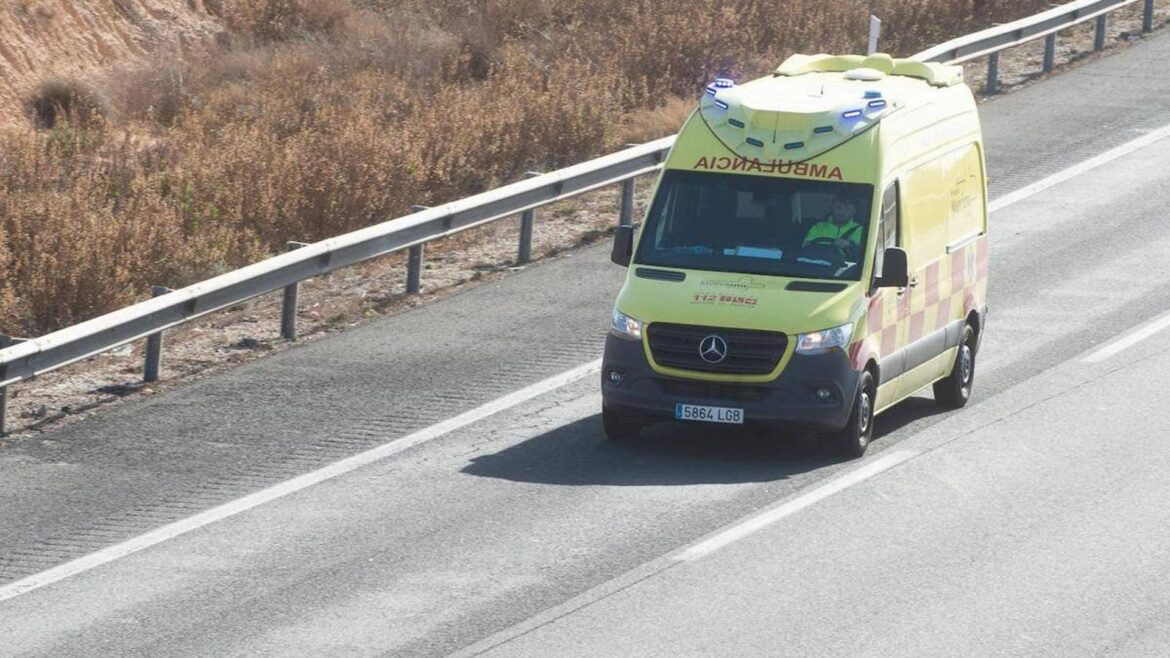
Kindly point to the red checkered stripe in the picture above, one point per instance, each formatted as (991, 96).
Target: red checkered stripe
(948, 290)
(877, 334)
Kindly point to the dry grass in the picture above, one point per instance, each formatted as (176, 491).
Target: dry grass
(321, 116)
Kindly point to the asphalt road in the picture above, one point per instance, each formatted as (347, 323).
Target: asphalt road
(1031, 522)
(1036, 526)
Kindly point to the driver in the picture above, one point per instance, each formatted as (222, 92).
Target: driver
(839, 228)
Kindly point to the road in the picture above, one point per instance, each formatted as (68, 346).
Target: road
(1030, 522)
(1037, 526)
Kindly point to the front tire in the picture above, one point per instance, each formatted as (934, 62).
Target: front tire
(954, 391)
(618, 427)
(852, 440)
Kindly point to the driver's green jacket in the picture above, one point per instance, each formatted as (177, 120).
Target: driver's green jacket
(827, 229)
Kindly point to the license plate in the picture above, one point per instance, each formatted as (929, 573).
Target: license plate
(708, 414)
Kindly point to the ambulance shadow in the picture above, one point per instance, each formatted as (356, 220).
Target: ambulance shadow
(578, 454)
(912, 414)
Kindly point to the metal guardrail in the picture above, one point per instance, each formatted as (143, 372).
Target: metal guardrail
(23, 359)
(37, 356)
(992, 41)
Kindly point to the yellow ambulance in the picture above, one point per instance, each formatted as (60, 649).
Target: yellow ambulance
(815, 252)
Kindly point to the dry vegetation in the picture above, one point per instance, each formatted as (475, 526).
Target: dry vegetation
(321, 116)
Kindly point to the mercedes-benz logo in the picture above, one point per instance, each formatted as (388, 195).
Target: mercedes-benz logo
(713, 349)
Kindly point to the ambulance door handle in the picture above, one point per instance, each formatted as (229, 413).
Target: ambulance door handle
(913, 284)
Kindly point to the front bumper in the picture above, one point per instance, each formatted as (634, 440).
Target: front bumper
(790, 401)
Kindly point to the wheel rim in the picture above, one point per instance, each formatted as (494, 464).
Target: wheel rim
(966, 365)
(864, 416)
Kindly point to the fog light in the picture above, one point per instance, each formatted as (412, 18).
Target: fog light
(615, 377)
(824, 394)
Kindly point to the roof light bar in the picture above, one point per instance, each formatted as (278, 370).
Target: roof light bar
(724, 83)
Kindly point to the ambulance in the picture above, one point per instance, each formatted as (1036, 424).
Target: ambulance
(815, 252)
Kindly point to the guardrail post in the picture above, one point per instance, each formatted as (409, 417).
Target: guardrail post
(288, 310)
(1099, 38)
(992, 85)
(154, 345)
(626, 218)
(527, 220)
(414, 260)
(5, 341)
(1049, 52)
(875, 33)
(1148, 17)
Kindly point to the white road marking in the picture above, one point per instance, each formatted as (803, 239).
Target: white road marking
(184, 526)
(1080, 168)
(679, 557)
(744, 528)
(770, 516)
(1141, 333)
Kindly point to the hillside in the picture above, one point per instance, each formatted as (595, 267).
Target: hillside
(44, 40)
(180, 138)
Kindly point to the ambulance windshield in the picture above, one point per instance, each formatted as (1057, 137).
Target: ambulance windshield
(757, 225)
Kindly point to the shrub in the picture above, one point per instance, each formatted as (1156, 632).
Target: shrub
(323, 116)
(61, 101)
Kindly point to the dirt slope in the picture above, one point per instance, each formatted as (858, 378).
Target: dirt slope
(43, 39)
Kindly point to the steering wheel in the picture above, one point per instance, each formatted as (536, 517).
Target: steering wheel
(822, 242)
(826, 245)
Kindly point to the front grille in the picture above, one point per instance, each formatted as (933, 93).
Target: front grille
(712, 390)
(748, 352)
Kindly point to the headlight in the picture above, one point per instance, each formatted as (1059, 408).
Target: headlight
(819, 342)
(623, 326)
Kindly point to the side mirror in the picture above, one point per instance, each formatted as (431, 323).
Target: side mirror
(623, 246)
(895, 269)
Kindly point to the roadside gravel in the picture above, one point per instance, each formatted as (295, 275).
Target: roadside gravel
(355, 295)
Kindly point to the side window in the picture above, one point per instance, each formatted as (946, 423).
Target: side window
(888, 231)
